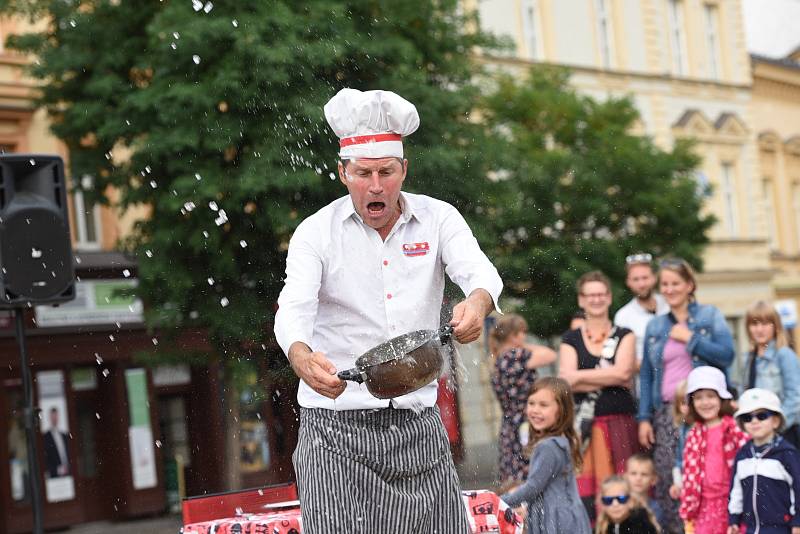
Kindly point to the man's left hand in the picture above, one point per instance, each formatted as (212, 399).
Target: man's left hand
(468, 316)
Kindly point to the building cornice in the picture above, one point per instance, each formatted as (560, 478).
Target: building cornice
(615, 74)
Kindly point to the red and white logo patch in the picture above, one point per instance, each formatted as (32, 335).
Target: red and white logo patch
(416, 249)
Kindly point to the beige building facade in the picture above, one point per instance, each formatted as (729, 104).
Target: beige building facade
(686, 67)
(776, 123)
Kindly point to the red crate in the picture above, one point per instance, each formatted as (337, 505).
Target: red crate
(228, 504)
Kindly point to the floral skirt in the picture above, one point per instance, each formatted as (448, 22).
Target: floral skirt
(614, 440)
(664, 458)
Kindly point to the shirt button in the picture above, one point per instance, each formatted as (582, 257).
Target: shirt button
(386, 262)
(388, 295)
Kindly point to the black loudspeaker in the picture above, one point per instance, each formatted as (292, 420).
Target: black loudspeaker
(36, 260)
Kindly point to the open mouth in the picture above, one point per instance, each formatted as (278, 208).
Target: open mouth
(376, 208)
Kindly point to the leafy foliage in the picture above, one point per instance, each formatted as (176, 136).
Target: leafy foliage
(580, 193)
(211, 117)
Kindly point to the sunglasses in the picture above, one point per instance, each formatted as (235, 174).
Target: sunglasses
(608, 501)
(639, 258)
(761, 416)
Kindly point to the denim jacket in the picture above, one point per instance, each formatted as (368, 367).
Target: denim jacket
(711, 344)
(778, 371)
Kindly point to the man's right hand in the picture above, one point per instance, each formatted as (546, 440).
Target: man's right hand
(646, 435)
(315, 370)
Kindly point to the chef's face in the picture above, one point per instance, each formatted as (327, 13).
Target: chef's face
(374, 186)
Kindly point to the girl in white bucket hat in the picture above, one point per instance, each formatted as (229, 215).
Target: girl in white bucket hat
(708, 456)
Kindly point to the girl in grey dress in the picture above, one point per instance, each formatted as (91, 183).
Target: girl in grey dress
(550, 491)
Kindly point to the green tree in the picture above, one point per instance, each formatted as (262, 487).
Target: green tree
(210, 116)
(580, 192)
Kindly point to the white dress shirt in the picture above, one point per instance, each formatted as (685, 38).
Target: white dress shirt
(348, 290)
(634, 316)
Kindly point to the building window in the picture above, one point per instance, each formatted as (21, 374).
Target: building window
(729, 200)
(796, 207)
(769, 210)
(677, 40)
(86, 217)
(532, 29)
(712, 40)
(604, 31)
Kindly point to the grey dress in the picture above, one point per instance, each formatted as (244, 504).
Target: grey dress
(551, 491)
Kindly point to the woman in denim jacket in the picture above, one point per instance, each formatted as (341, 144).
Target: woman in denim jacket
(690, 336)
(772, 365)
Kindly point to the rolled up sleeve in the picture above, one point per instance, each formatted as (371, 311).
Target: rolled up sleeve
(464, 261)
(299, 299)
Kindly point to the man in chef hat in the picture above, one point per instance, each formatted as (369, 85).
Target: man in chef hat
(366, 268)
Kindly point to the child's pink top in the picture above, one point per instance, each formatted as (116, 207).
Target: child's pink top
(717, 480)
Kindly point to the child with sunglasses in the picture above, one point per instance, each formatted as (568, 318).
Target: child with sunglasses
(711, 447)
(621, 512)
(766, 475)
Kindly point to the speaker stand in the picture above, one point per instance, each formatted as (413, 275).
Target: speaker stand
(30, 416)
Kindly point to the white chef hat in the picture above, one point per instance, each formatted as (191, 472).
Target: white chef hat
(371, 124)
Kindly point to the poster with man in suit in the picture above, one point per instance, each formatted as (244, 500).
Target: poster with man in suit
(56, 452)
(59, 482)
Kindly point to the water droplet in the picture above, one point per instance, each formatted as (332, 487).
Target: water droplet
(332, 176)
(189, 206)
(73, 23)
(224, 301)
(210, 281)
(213, 205)
(97, 415)
(174, 46)
(235, 23)
(153, 184)
(158, 443)
(243, 243)
(222, 219)
(205, 234)
(155, 341)
(98, 358)
(32, 161)
(197, 5)
(111, 337)
(106, 372)
(176, 35)
(126, 273)
(208, 7)
(148, 253)
(196, 59)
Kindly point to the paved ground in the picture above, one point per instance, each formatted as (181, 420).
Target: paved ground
(170, 524)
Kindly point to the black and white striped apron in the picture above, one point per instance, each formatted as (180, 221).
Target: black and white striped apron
(383, 471)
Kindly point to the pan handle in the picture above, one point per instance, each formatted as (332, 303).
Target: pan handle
(445, 333)
(352, 374)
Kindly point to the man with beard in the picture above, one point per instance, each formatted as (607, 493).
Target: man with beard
(646, 303)
(366, 268)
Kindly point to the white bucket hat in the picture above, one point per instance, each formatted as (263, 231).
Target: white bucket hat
(707, 377)
(758, 399)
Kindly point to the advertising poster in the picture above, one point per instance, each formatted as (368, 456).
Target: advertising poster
(140, 433)
(54, 426)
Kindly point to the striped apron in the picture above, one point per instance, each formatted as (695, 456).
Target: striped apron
(384, 471)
